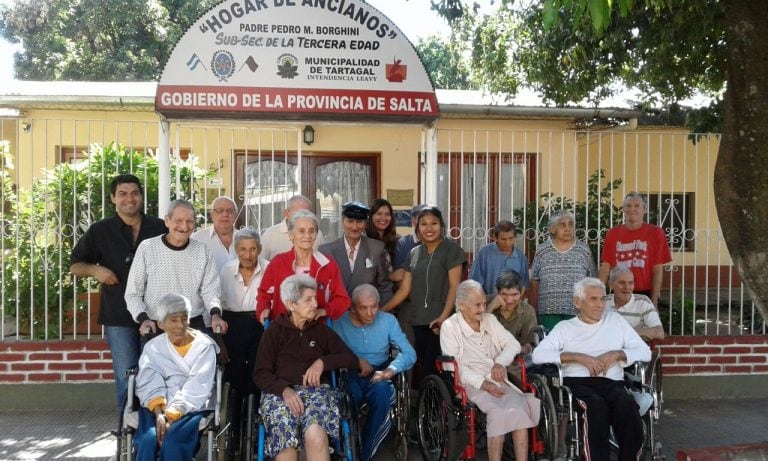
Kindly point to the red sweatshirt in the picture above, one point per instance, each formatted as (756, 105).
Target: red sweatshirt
(331, 294)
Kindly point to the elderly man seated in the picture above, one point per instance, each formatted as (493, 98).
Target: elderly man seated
(174, 384)
(370, 333)
(593, 348)
(483, 349)
(636, 309)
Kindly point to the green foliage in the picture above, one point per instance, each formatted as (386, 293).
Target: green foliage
(576, 50)
(594, 216)
(445, 63)
(41, 225)
(106, 40)
(679, 317)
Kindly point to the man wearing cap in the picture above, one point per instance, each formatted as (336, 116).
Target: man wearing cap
(360, 259)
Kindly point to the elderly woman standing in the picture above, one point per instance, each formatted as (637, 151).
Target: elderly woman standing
(560, 262)
(291, 369)
(240, 280)
(332, 297)
(483, 349)
(174, 384)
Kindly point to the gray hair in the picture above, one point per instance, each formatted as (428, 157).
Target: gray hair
(224, 198)
(293, 286)
(179, 204)
(291, 202)
(363, 291)
(172, 304)
(580, 287)
(616, 271)
(633, 195)
(466, 288)
(247, 233)
(510, 280)
(302, 214)
(556, 217)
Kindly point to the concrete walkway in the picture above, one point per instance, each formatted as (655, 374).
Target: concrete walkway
(84, 435)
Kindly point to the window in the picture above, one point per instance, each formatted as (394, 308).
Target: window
(674, 213)
(266, 181)
(474, 192)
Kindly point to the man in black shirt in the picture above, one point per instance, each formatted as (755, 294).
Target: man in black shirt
(105, 252)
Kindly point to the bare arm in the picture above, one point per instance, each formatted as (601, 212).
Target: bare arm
(401, 294)
(650, 333)
(657, 274)
(101, 273)
(397, 275)
(602, 274)
(454, 277)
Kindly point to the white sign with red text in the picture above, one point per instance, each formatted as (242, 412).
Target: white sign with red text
(330, 59)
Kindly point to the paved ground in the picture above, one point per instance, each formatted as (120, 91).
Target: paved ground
(84, 435)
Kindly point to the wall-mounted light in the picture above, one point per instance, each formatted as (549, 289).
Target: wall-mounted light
(309, 135)
(26, 126)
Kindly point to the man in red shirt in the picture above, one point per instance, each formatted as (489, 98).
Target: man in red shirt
(638, 246)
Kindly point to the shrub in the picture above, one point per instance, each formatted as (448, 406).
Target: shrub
(41, 225)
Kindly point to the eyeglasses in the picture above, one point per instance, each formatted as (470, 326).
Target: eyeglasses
(224, 210)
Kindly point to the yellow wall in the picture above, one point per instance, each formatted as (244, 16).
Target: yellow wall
(658, 161)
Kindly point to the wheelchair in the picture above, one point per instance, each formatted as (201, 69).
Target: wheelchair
(641, 380)
(449, 425)
(399, 412)
(346, 447)
(236, 443)
(211, 426)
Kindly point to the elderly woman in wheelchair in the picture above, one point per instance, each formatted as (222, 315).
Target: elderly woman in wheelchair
(174, 384)
(483, 349)
(593, 348)
(295, 354)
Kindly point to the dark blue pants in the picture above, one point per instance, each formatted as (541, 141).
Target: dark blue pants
(380, 398)
(181, 441)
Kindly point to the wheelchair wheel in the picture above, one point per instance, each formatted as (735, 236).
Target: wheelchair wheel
(548, 427)
(401, 415)
(653, 378)
(225, 433)
(248, 428)
(438, 421)
(349, 447)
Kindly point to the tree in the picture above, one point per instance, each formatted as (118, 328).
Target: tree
(445, 64)
(106, 40)
(576, 49)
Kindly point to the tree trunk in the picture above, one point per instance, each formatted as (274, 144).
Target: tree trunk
(741, 172)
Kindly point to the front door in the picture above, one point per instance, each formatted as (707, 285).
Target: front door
(265, 182)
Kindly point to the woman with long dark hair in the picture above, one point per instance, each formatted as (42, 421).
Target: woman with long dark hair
(432, 276)
(381, 226)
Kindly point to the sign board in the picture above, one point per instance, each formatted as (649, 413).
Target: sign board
(296, 59)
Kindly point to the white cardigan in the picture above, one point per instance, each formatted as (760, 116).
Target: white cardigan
(187, 382)
(477, 351)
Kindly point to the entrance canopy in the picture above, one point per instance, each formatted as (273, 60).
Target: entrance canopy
(296, 59)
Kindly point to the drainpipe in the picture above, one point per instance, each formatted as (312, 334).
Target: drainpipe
(429, 137)
(163, 167)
